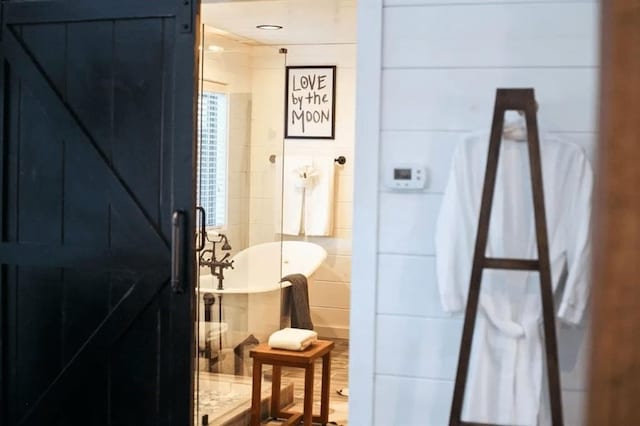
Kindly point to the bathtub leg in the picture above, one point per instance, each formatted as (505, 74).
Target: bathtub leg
(238, 351)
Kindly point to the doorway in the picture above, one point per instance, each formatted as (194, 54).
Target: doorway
(245, 163)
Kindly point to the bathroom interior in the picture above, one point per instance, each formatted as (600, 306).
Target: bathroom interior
(253, 229)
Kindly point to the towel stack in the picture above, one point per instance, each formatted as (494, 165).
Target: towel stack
(293, 339)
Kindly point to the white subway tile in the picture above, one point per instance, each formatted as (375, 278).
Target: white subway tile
(330, 317)
(344, 187)
(334, 268)
(343, 215)
(329, 294)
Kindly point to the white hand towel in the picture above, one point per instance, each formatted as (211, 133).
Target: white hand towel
(319, 199)
(291, 185)
(293, 339)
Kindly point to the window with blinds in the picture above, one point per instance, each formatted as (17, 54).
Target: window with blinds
(212, 156)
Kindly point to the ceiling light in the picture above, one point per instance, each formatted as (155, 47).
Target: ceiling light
(269, 27)
(215, 49)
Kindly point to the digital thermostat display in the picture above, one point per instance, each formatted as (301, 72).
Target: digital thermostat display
(402, 174)
(406, 176)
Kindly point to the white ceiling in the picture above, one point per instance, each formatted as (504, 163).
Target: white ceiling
(304, 21)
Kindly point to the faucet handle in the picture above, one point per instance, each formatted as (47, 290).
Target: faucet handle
(231, 264)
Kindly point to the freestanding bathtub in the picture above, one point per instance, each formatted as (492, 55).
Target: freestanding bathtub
(259, 268)
(251, 299)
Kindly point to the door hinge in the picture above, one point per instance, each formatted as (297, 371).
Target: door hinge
(186, 15)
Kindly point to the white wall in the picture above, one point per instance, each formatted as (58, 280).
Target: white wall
(437, 72)
(330, 285)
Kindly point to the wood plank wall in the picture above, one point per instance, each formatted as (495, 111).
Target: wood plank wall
(441, 63)
(615, 371)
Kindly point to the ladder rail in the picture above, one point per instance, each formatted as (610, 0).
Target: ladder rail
(522, 100)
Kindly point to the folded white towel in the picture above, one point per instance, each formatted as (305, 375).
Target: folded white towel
(293, 339)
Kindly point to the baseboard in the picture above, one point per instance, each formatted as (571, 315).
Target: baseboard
(332, 332)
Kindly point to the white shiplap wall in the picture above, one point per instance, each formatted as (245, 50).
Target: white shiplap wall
(439, 66)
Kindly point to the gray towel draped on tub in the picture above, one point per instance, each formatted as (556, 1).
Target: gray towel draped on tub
(299, 301)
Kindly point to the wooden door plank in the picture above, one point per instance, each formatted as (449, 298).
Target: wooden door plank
(615, 355)
(4, 93)
(137, 132)
(96, 348)
(68, 256)
(135, 219)
(76, 131)
(184, 157)
(85, 10)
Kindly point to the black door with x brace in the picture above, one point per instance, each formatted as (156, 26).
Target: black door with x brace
(96, 156)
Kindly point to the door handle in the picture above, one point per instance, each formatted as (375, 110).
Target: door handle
(178, 245)
(203, 230)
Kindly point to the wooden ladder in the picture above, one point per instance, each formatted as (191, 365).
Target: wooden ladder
(520, 100)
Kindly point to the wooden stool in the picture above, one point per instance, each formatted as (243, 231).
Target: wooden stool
(279, 358)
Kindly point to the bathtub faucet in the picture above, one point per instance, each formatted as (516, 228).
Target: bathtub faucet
(221, 265)
(208, 258)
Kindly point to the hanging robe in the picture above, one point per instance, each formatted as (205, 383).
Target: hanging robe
(506, 365)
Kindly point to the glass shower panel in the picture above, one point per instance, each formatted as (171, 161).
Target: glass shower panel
(239, 182)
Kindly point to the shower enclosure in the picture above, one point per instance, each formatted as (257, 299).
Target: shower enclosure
(240, 257)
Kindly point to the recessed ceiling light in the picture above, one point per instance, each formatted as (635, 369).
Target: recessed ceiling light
(269, 27)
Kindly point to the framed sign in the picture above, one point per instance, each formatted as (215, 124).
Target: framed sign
(310, 102)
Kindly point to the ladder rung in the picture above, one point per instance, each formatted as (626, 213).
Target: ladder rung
(475, 424)
(517, 264)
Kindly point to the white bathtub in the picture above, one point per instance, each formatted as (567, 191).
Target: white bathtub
(251, 299)
(259, 268)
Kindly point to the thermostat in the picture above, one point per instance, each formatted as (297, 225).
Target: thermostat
(406, 176)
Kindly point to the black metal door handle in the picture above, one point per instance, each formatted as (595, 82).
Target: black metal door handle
(178, 241)
(203, 230)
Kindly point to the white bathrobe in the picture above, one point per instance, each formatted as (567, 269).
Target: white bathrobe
(506, 366)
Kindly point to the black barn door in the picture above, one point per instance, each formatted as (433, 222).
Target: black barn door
(96, 155)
